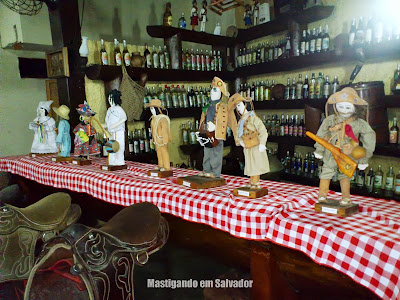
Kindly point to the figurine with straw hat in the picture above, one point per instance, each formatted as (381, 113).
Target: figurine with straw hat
(346, 130)
(63, 137)
(252, 136)
(161, 136)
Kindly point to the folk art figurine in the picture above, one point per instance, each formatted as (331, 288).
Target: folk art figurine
(252, 136)
(44, 139)
(85, 134)
(160, 128)
(256, 10)
(203, 16)
(63, 135)
(247, 16)
(115, 124)
(346, 130)
(194, 18)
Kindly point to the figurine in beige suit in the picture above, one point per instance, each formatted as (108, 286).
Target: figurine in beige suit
(160, 129)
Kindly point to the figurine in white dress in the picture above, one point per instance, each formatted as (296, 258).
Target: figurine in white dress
(44, 140)
(115, 123)
(203, 17)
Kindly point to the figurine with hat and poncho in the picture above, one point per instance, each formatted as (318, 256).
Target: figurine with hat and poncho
(63, 135)
(252, 136)
(348, 132)
(44, 139)
(85, 134)
(161, 136)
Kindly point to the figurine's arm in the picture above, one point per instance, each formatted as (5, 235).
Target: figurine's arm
(164, 130)
(368, 140)
(322, 132)
(60, 134)
(262, 134)
(122, 120)
(33, 125)
(232, 123)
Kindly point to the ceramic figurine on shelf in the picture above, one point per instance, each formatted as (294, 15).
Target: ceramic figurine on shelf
(63, 135)
(247, 16)
(203, 16)
(115, 124)
(85, 135)
(160, 128)
(194, 18)
(346, 130)
(256, 10)
(252, 136)
(167, 15)
(44, 139)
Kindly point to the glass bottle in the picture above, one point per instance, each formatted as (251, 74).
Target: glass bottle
(292, 93)
(335, 85)
(352, 33)
(198, 60)
(299, 88)
(312, 87)
(397, 186)
(301, 127)
(103, 54)
(117, 53)
(194, 60)
(161, 56)
(318, 41)
(313, 39)
(360, 179)
(282, 126)
(185, 134)
(182, 21)
(308, 42)
(148, 57)
(359, 38)
(238, 59)
(303, 43)
(104, 152)
(378, 181)
(156, 59)
(136, 143)
(267, 91)
(188, 60)
(219, 59)
(287, 90)
(167, 58)
(305, 88)
(130, 143)
(319, 86)
(389, 182)
(327, 88)
(126, 54)
(368, 31)
(394, 132)
(296, 126)
(262, 53)
(261, 88)
(326, 39)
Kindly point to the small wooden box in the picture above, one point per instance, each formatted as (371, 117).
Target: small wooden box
(200, 182)
(81, 161)
(250, 192)
(113, 168)
(61, 158)
(335, 208)
(161, 174)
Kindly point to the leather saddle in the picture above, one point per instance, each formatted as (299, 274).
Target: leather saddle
(21, 230)
(101, 261)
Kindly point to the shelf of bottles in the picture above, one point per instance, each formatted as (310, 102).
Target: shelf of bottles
(313, 49)
(305, 170)
(306, 16)
(167, 32)
(140, 147)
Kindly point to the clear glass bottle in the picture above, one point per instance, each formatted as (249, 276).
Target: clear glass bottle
(156, 58)
(103, 53)
(389, 183)
(126, 54)
(378, 181)
(299, 87)
(117, 53)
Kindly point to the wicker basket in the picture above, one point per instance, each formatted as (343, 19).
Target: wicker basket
(132, 96)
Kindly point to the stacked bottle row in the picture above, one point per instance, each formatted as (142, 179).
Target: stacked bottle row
(178, 97)
(373, 183)
(311, 42)
(139, 141)
(293, 126)
(315, 88)
(375, 31)
(201, 61)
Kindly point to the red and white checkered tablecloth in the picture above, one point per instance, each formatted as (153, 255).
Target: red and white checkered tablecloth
(365, 246)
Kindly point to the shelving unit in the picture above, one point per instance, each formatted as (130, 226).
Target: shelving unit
(313, 14)
(109, 73)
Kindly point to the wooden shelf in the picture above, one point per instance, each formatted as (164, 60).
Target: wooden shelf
(108, 73)
(175, 113)
(384, 51)
(301, 141)
(334, 186)
(310, 15)
(166, 32)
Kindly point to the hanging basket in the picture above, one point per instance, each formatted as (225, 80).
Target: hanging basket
(132, 96)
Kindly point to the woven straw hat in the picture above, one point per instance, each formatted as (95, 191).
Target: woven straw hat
(62, 111)
(155, 103)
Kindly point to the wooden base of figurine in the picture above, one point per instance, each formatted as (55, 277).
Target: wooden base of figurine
(81, 161)
(335, 208)
(200, 182)
(61, 158)
(113, 168)
(40, 154)
(161, 174)
(250, 192)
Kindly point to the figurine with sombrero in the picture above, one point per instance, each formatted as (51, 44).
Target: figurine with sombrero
(345, 141)
(252, 136)
(85, 136)
(63, 139)
(161, 136)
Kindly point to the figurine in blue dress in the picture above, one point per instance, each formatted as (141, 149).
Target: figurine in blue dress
(248, 22)
(63, 139)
